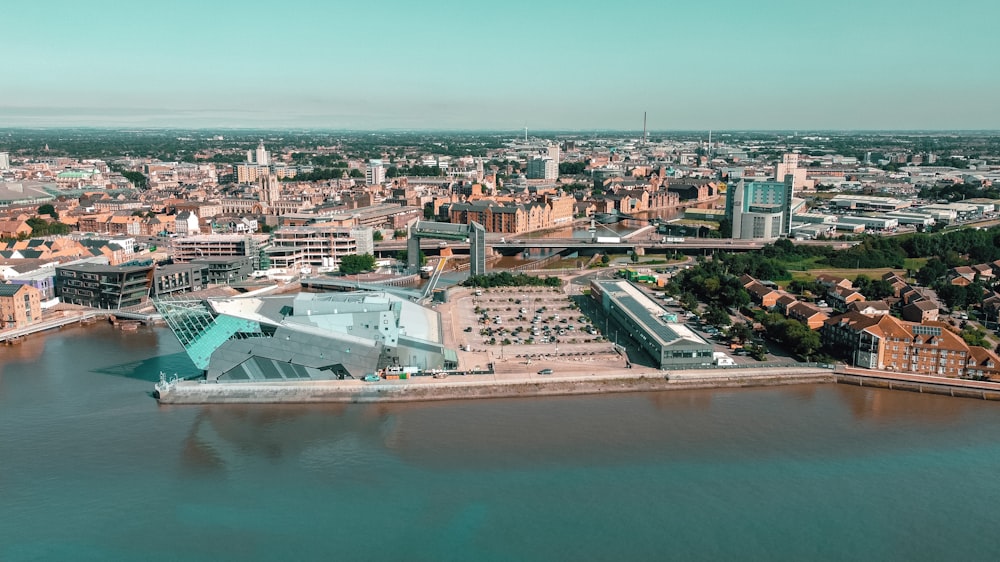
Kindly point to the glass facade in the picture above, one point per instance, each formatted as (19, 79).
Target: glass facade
(200, 330)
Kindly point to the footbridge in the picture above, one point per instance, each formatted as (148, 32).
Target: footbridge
(473, 233)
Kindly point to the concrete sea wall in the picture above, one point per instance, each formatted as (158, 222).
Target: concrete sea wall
(191, 392)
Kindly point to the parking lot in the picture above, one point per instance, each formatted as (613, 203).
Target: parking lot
(529, 325)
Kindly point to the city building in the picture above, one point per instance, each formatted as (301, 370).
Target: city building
(20, 305)
(307, 336)
(321, 245)
(646, 322)
(223, 271)
(103, 286)
(4, 161)
(375, 173)
(760, 210)
(789, 166)
(887, 343)
(543, 168)
(177, 278)
(220, 246)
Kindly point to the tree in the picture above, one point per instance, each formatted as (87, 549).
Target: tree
(974, 336)
(357, 263)
(605, 260)
(137, 179)
(741, 332)
(356, 173)
(48, 209)
(688, 301)
(717, 316)
(377, 236)
(404, 257)
(634, 256)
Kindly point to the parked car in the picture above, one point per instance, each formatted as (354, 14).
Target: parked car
(545, 372)
(371, 377)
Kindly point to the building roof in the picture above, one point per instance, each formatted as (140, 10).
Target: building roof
(649, 314)
(10, 289)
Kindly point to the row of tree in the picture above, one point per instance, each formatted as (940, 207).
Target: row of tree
(357, 263)
(507, 279)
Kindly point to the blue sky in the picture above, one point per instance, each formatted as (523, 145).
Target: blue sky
(443, 64)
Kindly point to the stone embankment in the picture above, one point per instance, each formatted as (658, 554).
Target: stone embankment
(470, 387)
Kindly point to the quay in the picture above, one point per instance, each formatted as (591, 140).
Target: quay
(512, 385)
(926, 384)
(18, 334)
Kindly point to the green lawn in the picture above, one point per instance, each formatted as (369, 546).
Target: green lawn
(915, 263)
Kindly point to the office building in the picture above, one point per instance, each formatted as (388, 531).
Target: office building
(760, 210)
(177, 278)
(789, 166)
(553, 153)
(4, 161)
(375, 173)
(543, 168)
(225, 270)
(103, 286)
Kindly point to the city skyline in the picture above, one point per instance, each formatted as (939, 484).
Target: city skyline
(451, 66)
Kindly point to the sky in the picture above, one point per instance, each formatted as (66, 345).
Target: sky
(504, 65)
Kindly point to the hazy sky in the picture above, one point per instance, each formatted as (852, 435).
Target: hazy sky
(573, 64)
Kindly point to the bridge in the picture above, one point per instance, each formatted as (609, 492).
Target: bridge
(622, 246)
(472, 236)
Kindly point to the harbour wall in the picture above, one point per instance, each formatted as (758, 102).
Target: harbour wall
(192, 392)
(955, 388)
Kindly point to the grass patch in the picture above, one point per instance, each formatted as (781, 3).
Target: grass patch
(852, 274)
(803, 265)
(915, 263)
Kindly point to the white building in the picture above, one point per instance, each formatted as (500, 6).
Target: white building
(375, 173)
(186, 224)
(4, 161)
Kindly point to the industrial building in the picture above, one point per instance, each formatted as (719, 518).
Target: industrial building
(306, 336)
(648, 323)
(868, 203)
(871, 223)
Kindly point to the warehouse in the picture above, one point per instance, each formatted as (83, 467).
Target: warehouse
(669, 343)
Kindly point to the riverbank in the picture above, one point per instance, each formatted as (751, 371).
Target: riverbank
(473, 387)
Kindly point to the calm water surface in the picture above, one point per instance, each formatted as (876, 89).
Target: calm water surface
(92, 469)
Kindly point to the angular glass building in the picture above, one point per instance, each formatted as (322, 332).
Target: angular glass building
(306, 336)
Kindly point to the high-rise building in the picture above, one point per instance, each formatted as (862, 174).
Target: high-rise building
(375, 174)
(760, 209)
(262, 158)
(4, 161)
(789, 166)
(554, 153)
(543, 168)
